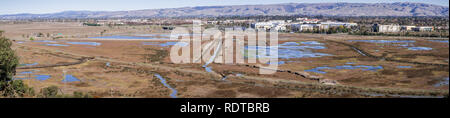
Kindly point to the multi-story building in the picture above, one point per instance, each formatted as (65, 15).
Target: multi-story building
(308, 21)
(276, 24)
(306, 27)
(423, 29)
(386, 28)
(398, 28)
(337, 24)
(407, 28)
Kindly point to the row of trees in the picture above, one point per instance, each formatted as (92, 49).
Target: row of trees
(364, 24)
(401, 20)
(407, 34)
(331, 30)
(91, 24)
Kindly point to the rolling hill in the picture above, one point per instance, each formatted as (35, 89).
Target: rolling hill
(326, 9)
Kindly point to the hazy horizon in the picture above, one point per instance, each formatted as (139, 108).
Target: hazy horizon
(55, 6)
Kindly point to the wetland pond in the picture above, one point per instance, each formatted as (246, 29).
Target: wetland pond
(347, 67)
(68, 43)
(28, 75)
(443, 82)
(287, 50)
(29, 64)
(70, 78)
(85, 43)
(409, 44)
(164, 82)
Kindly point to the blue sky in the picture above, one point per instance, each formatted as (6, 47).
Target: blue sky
(51, 6)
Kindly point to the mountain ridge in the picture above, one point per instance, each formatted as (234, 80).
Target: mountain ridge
(325, 9)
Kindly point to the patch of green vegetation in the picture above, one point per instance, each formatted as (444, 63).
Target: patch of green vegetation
(331, 30)
(15, 88)
(52, 92)
(8, 60)
(78, 94)
(40, 34)
(91, 24)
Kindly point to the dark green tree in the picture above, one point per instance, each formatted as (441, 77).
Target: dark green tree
(8, 64)
(8, 60)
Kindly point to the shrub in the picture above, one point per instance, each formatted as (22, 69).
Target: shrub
(91, 24)
(15, 88)
(49, 92)
(77, 94)
(52, 92)
(389, 72)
